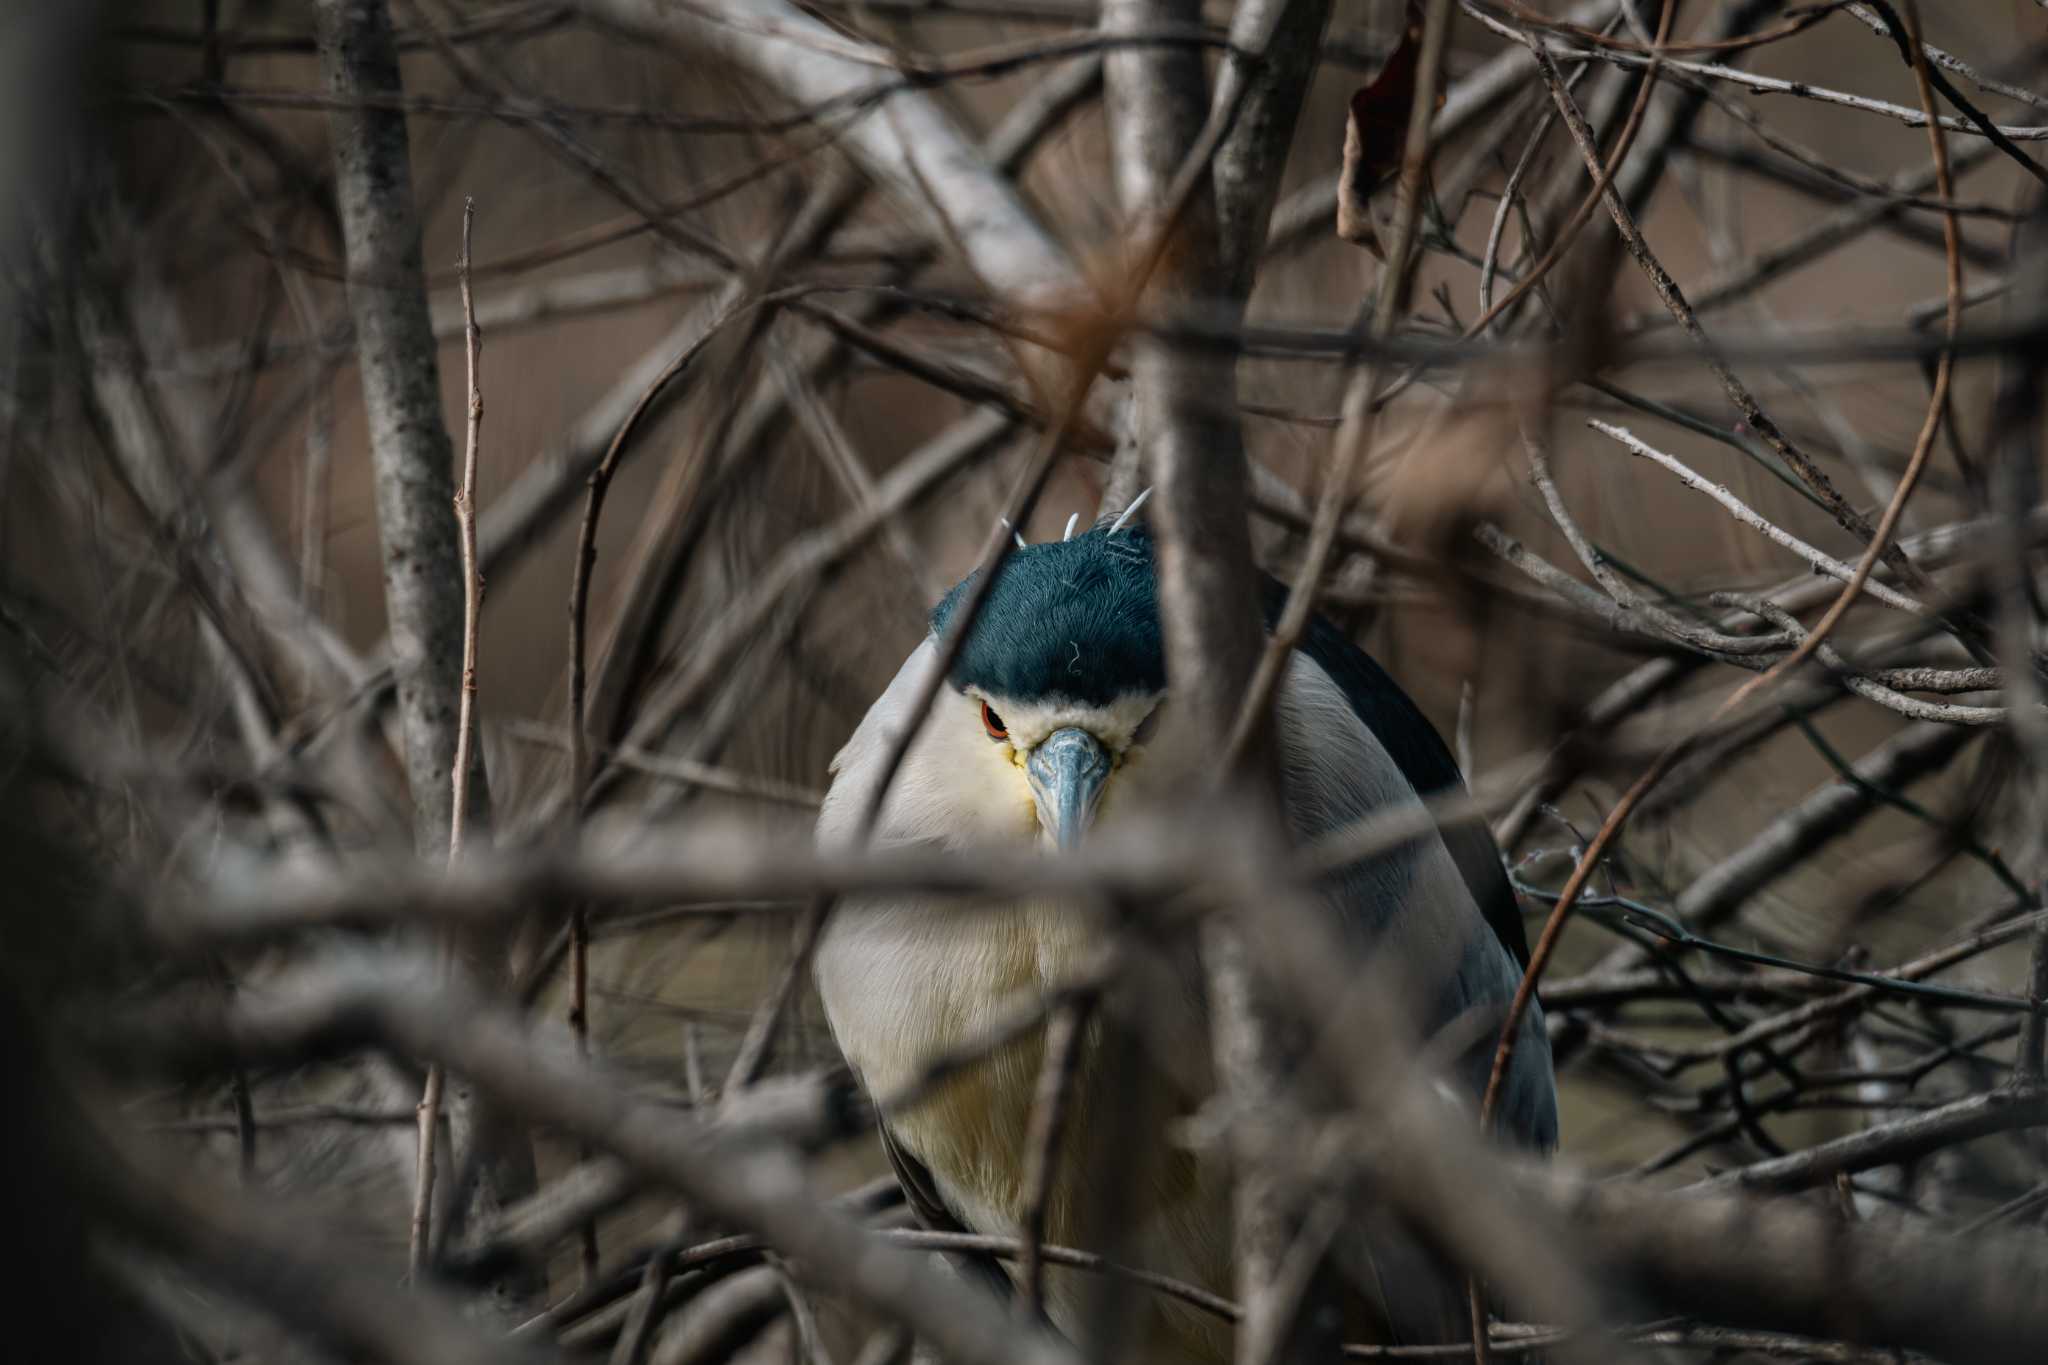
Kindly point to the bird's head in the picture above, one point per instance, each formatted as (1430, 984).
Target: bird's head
(1058, 685)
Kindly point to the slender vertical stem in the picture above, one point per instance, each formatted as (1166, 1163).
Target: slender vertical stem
(314, 495)
(644, 1316)
(238, 1090)
(579, 1025)
(429, 1110)
(472, 580)
(581, 762)
(1064, 1033)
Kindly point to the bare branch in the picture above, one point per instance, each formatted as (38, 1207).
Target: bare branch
(409, 444)
(916, 150)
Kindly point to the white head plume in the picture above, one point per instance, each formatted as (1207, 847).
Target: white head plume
(1130, 511)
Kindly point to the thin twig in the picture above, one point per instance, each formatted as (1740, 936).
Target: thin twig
(585, 561)
(472, 577)
(1742, 512)
(465, 730)
(1065, 1031)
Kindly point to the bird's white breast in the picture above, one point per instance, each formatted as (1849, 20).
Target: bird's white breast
(905, 980)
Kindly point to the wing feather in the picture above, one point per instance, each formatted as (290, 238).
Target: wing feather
(1424, 759)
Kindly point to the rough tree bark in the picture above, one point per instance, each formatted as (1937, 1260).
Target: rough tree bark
(1190, 445)
(413, 459)
(409, 444)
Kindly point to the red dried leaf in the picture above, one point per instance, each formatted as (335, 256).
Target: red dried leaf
(1376, 134)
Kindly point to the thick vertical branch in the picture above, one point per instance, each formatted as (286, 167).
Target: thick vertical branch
(1246, 171)
(2016, 487)
(1193, 448)
(1189, 443)
(409, 446)
(411, 458)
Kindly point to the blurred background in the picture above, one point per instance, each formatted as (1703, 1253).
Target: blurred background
(192, 600)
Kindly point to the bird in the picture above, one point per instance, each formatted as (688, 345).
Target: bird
(1047, 731)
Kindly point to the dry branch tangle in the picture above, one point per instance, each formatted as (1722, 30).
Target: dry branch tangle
(1786, 1268)
(727, 1170)
(1772, 1265)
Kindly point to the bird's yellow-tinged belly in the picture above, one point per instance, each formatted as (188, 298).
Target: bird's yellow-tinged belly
(903, 986)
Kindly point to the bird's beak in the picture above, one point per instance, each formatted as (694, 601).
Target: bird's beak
(1067, 772)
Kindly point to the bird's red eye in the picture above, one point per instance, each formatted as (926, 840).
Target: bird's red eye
(993, 723)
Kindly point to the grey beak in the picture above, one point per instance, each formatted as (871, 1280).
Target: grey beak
(1067, 772)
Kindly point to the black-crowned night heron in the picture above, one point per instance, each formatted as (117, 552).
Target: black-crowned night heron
(1045, 731)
